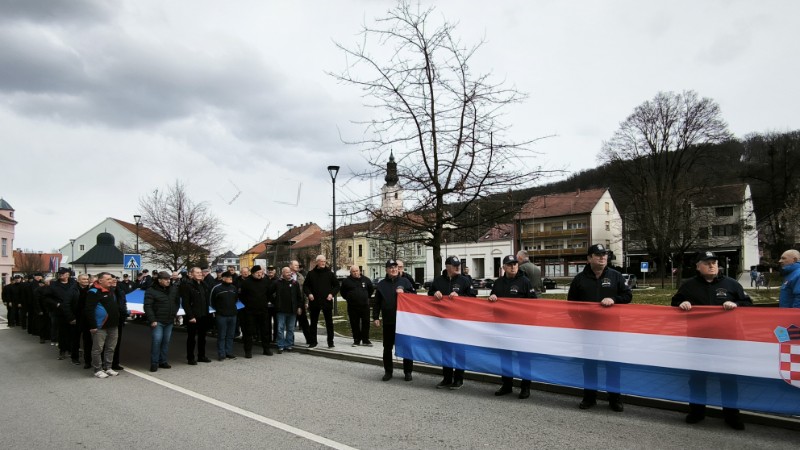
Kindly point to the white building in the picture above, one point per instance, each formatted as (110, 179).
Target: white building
(483, 257)
(124, 234)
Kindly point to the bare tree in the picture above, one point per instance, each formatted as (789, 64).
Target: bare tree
(439, 118)
(29, 263)
(187, 232)
(651, 159)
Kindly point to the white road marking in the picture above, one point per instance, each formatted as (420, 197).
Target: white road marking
(242, 412)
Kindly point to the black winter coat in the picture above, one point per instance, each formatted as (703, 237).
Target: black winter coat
(320, 283)
(223, 299)
(195, 299)
(586, 287)
(161, 303)
(357, 291)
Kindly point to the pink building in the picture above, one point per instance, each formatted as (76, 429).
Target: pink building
(7, 224)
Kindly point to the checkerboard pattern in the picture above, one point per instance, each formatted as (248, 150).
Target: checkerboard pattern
(790, 363)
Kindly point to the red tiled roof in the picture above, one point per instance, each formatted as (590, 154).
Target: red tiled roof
(499, 232)
(145, 234)
(563, 204)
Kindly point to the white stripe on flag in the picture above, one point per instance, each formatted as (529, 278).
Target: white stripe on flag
(756, 359)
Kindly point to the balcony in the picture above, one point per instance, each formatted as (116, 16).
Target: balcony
(558, 252)
(555, 234)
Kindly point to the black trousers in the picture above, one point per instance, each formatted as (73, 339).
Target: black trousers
(612, 380)
(359, 322)
(302, 319)
(79, 334)
(197, 332)
(389, 329)
(256, 324)
(328, 313)
(64, 335)
(115, 359)
(13, 313)
(22, 316)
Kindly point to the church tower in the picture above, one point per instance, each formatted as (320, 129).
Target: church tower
(391, 192)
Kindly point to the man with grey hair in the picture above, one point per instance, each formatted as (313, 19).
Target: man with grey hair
(530, 270)
(790, 289)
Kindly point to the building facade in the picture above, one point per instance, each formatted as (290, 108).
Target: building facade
(7, 229)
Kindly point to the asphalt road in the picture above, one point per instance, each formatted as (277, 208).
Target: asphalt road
(303, 401)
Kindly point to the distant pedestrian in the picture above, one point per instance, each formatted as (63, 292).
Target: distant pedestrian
(754, 276)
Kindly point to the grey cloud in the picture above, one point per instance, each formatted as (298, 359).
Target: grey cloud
(54, 11)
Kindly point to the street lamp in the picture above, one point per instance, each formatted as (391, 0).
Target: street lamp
(72, 252)
(138, 219)
(333, 171)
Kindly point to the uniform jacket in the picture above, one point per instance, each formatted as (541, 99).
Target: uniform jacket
(320, 283)
(161, 304)
(446, 285)
(585, 287)
(386, 297)
(256, 295)
(698, 291)
(223, 299)
(517, 287)
(357, 291)
(65, 294)
(790, 289)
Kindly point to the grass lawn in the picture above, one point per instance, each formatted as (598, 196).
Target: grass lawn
(655, 296)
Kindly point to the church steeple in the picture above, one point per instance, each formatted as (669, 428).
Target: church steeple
(391, 171)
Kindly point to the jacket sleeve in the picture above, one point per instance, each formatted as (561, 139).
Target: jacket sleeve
(376, 308)
(308, 282)
(88, 310)
(149, 311)
(66, 306)
(680, 297)
(186, 296)
(370, 288)
(574, 290)
(743, 298)
(625, 295)
(334, 284)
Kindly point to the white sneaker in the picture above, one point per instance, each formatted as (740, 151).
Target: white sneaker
(100, 374)
(112, 372)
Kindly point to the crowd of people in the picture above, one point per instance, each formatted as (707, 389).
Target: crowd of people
(85, 314)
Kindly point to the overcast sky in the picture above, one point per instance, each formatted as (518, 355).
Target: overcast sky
(102, 102)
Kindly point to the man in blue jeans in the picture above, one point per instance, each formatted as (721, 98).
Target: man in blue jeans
(161, 305)
(223, 299)
(288, 301)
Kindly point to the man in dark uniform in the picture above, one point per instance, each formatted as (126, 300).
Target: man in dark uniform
(357, 290)
(198, 320)
(61, 301)
(450, 285)
(255, 295)
(513, 284)
(599, 283)
(386, 305)
(120, 295)
(10, 293)
(272, 312)
(711, 288)
(321, 287)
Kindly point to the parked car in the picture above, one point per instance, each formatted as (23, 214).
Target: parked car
(478, 283)
(630, 280)
(549, 283)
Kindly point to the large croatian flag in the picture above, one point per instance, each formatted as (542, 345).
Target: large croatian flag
(748, 358)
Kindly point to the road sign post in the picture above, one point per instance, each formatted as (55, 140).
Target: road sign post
(645, 269)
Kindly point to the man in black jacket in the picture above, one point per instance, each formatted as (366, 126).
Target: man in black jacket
(122, 302)
(513, 284)
(197, 318)
(450, 285)
(161, 304)
(10, 293)
(386, 306)
(357, 290)
(102, 317)
(599, 283)
(711, 288)
(223, 299)
(321, 287)
(255, 295)
(61, 299)
(288, 300)
(80, 331)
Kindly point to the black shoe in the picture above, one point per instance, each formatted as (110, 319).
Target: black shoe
(230, 356)
(524, 393)
(616, 406)
(386, 377)
(248, 355)
(735, 422)
(367, 344)
(117, 367)
(267, 352)
(153, 368)
(444, 384)
(87, 366)
(408, 377)
(76, 362)
(694, 418)
(204, 359)
(502, 391)
(456, 385)
(312, 345)
(166, 366)
(280, 351)
(221, 358)
(192, 362)
(330, 345)
(62, 355)
(587, 404)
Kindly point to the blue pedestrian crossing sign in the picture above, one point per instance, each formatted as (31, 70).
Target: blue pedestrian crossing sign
(132, 262)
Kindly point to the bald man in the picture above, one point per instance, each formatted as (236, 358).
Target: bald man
(790, 289)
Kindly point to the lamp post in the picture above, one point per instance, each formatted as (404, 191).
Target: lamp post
(138, 219)
(333, 171)
(72, 253)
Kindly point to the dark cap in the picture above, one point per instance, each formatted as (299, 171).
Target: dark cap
(37, 274)
(226, 275)
(270, 267)
(255, 268)
(62, 270)
(707, 256)
(391, 263)
(164, 275)
(510, 259)
(597, 249)
(219, 270)
(452, 261)
(17, 276)
(145, 271)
